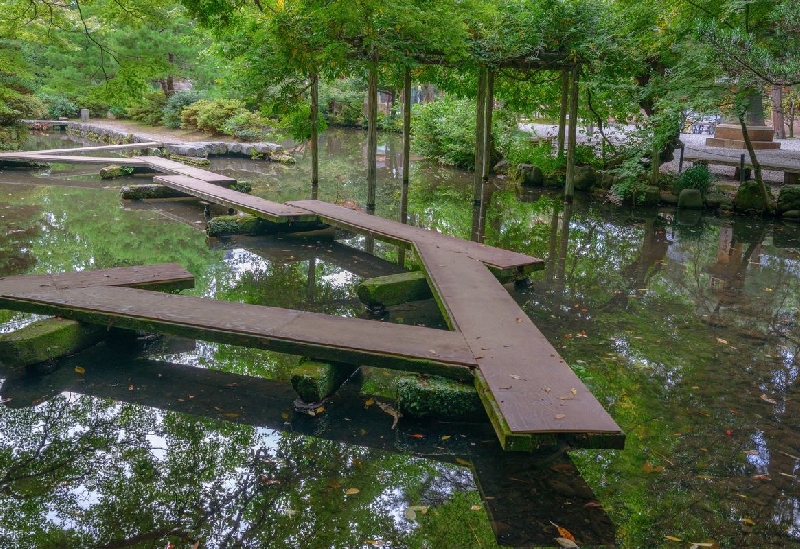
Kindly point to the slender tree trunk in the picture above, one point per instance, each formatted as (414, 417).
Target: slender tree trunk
(314, 136)
(401, 254)
(562, 116)
(777, 112)
(572, 138)
(372, 133)
(754, 161)
(487, 126)
(480, 118)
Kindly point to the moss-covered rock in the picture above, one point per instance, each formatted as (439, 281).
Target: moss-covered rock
(529, 175)
(226, 225)
(651, 196)
(138, 192)
(789, 198)
(113, 171)
(395, 289)
(420, 396)
(313, 380)
(585, 178)
(47, 339)
(198, 162)
(690, 199)
(749, 197)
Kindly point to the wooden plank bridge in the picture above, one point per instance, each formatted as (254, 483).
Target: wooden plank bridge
(529, 392)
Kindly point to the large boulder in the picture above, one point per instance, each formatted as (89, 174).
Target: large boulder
(789, 198)
(530, 175)
(651, 196)
(585, 178)
(750, 198)
(690, 199)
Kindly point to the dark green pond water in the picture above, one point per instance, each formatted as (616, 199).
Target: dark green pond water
(685, 328)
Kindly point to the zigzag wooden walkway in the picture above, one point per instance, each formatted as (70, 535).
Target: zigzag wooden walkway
(529, 392)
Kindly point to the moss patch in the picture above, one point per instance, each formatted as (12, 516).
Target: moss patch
(420, 396)
(139, 192)
(314, 380)
(394, 289)
(47, 339)
(225, 225)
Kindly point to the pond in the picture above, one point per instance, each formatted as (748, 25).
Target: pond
(684, 327)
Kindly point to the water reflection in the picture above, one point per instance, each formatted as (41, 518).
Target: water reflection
(684, 328)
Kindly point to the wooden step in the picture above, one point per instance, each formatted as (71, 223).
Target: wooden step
(80, 150)
(502, 261)
(172, 167)
(319, 336)
(259, 207)
(527, 387)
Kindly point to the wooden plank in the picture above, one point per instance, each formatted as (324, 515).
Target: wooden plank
(68, 159)
(177, 168)
(503, 261)
(163, 276)
(535, 391)
(787, 165)
(254, 205)
(319, 336)
(80, 150)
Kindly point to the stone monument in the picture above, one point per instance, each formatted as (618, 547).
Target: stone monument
(728, 134)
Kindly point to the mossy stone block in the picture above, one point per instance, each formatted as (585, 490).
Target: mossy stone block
(140, 192)
(749, 197)
(394, 289)
(690, 199)
(313, 380)
(419, 396)
(225, 225)
(47, 339)
(113, 171)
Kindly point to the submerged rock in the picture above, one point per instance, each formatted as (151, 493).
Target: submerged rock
(530, 175)
(749, 197)
(690, 199)
(789, 199)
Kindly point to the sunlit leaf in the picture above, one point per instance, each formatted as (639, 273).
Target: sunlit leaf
(445, 437)
(80, 369)
(563, 532)
(748, 521)
(673, 538)
(351, 491)
(476, 507)
(765, 398)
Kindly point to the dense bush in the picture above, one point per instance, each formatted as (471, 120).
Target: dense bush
(697, 177)
(171, 113)
(444, 130)
(247, 126)
(297, 123)
(150, 109)
(59, 106)
(15, 105)
(210, 114)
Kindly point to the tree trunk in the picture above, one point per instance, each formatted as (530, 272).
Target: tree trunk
(480, 118)
(314, 137)
(372, 133)
(487, 126)
(562, 116)
(754, 160)
(401, 252)
(572, 138)
(777, 112)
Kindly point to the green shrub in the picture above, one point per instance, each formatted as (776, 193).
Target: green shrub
(697, 177)
(444, 130)
(342, 102)
(149, 110)
(210, 115)
(247, 126)
(297, 123)
(15, 106)
(171, 113)
(59, 106)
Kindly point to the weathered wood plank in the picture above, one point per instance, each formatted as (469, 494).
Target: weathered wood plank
(259, 207)
(769, 163)
(173, 167)
(68, 159)
(162, 276)
(80, 150)
(319, 336)
(534, 389)
(505, 261)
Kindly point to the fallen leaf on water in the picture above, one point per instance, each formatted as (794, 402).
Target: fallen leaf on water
(351, 491)
(463, 462)
(765, 398)
(376, 542)
(593, 504)
(410, 514)
(563, 467)
(650, 468)
(748, 521)
(369, 402)
(563, 532)
(724, 342)
(130, 388)
(704, 544)
(567, 543)
(761, 477)
(285, 415)
(417, 435)
(445, 437)
(476, 507)
(231, 415)
(673, 538)
(751, 452)
(419, 508)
